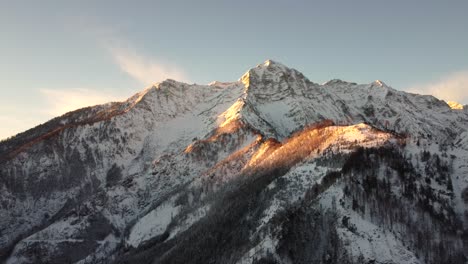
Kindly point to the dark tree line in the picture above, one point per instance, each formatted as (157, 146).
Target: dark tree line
(383, 185)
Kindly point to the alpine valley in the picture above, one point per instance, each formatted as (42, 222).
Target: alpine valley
(272, 168)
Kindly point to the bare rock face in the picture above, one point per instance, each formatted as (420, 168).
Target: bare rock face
(272, 168)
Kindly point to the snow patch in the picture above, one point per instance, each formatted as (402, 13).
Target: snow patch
(152, 224)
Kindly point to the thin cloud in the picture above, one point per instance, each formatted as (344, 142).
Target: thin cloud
(144, 69)
(141, 67)
(61, 101)
(450, 88)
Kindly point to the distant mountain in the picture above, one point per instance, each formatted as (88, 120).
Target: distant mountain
(272, 168)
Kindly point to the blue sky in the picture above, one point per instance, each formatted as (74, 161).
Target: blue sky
(61, 55)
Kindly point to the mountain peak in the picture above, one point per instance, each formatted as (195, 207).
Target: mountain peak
(379, 83)
(269, 69)
(271, 62)
(277, 152)
(270, 65)
(166, 83)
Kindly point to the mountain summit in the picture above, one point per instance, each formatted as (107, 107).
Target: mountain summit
(272, 168)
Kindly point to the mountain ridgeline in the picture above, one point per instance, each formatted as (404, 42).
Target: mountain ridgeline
(273, 168)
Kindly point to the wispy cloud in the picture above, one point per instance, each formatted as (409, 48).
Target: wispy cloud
(137, 64)
(145, 69)
(59, 102)
(453, 87)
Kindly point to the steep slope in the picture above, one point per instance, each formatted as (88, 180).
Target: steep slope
(57, 173)
(240, 173)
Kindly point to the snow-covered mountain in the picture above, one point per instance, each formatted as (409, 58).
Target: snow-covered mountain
(272, 168)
